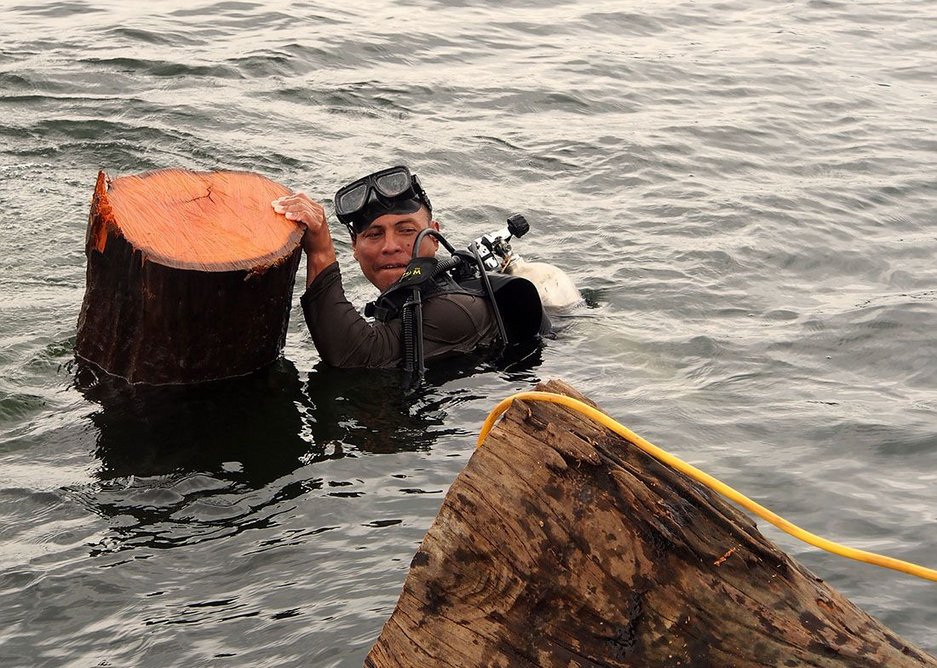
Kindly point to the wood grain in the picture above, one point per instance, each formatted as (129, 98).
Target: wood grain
(560, 544)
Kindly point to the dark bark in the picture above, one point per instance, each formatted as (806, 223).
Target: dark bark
(561, 544)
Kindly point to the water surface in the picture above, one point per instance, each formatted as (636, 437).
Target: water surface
(744, 191)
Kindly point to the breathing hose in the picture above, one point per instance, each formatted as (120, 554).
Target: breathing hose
(491, 295)
(429, 232)
(708, 481)
(412, 329)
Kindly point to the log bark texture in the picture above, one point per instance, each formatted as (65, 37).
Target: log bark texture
(560, 544)
(189, 276)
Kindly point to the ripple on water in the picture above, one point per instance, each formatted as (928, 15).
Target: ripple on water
(744, 193)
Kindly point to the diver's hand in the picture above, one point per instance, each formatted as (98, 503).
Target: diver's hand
(317, 241)
(309, 213)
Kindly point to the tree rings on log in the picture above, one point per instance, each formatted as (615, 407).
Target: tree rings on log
(189, 278)
(561, 544)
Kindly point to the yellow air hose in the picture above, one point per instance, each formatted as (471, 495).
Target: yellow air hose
(708, 480)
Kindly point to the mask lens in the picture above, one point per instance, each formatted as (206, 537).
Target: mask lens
(393, 184)
(351, 200)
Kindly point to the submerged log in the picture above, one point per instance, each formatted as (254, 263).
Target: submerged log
(190, 276)
(560, 544)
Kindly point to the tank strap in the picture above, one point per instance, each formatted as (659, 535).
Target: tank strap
(389, 304)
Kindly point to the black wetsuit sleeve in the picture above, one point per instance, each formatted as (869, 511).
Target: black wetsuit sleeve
(452, 323)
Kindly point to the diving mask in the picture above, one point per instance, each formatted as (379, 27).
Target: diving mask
(393, 190)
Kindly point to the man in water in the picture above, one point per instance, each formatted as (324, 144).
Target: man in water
(384, 212)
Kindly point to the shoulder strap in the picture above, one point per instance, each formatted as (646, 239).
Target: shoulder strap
(419, 275)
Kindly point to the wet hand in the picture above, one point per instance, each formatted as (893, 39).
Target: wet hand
(301, 208)
(317, 241)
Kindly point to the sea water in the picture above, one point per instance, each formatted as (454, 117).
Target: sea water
(745, 193)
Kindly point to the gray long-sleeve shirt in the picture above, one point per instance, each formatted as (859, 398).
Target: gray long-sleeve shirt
(452, 323)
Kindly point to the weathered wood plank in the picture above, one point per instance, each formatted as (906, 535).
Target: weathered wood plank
(560, 544)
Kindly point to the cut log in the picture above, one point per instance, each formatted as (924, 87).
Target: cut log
(560, 544)
(189, 278)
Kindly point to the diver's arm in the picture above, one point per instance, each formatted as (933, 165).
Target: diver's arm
(341, 335)
(452, 323)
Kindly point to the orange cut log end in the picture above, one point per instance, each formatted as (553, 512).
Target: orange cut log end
(207, 221)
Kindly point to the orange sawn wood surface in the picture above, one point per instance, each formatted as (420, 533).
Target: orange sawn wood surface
(208, 221)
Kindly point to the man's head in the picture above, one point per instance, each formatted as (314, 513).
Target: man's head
(384, 212)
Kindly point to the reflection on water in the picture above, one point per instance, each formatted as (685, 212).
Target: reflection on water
(250, 425)
(367, 410)
(263, 426)
(184, 464)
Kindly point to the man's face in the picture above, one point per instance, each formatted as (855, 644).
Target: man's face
(383, 249)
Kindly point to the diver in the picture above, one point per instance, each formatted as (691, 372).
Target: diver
(394, 238)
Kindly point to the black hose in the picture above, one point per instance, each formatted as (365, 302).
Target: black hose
(447, 265)
(414, 368)
(418, 340)
(430, 232)
(443, 266)
(408, 351)
(491, 294)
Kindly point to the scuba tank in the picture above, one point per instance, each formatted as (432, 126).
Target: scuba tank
(556, 289)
